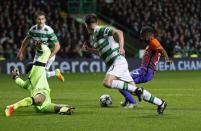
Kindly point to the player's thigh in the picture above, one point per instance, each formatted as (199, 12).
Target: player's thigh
(46, 102)
(109, 78)
(113, 73)
(125, 76)
(118, 68)
(38, 78)
(121, 71)
(136, 73)
(149, 75)
(49, 63)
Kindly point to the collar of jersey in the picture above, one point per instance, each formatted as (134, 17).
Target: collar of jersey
(40, 29)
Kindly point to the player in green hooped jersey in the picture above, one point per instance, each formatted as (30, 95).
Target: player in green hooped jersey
(108, 43)
(38, 87)
(42, 33)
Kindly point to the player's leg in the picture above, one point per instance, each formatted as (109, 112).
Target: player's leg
(148, 97)
(125, 102)
(149, 75)
(114, 79)
(47, 67)
(46, 106)
(111, 81)
(28, 101)
(128, 97)
(129, 100)
(56, 72)
(36, 100)
(139, 75)
(58, 108)
(16, 77)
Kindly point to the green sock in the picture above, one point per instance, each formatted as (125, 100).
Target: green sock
(49, 108)
(23, 103)
(53, 108)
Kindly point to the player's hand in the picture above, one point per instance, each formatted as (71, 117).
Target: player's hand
(85, 47)
(122, 51)
(38, 43)
(15, 74)
(20, 56)
(169, 62)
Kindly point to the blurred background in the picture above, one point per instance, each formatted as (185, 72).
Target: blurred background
(178, 23)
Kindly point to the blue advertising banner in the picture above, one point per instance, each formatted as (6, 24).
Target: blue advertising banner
(96, 65)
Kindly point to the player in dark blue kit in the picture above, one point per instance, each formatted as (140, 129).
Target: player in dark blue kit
(147, 69)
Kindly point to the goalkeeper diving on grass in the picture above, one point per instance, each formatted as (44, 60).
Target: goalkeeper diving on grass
(38, 87)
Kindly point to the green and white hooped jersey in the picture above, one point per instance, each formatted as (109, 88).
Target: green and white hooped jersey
(46, 35)
(103, 41)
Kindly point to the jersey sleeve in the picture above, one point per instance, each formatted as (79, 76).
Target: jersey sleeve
(52, 37)
(105, 31)
(29, 33)
(154, 43)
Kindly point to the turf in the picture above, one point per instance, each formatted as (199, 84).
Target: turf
(180, 89)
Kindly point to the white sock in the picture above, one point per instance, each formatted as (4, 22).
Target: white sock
(50, 73)
(158, 101)
(151, 99)
(118, 84)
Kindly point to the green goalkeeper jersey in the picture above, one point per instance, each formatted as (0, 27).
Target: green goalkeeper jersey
(37, 80)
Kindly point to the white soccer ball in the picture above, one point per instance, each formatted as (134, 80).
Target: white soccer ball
(105, 100)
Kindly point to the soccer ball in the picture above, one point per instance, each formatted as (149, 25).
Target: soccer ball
(105, 100)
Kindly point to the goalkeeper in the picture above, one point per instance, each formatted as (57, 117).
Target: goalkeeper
(38, 87)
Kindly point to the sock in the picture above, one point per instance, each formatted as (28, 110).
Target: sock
(151, 99)
(50, 73)
(23, 103)
(49, 108)
(118, 84)
(125, 98)
(128, 96)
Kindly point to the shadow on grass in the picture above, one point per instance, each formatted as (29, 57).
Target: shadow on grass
(155, 116)
(184, 109)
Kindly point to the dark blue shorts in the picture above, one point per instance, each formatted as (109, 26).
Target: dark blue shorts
(142, 75)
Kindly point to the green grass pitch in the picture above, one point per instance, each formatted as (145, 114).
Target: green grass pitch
(182, 91)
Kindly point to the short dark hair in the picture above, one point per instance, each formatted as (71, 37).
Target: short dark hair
(39, 13)
(146, 29)
(91, 18)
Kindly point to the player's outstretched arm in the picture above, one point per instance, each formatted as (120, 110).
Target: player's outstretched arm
(21, 83)
(155, 44)
(164, 53)
(119, 37)
(55, 49)
(20, 54)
